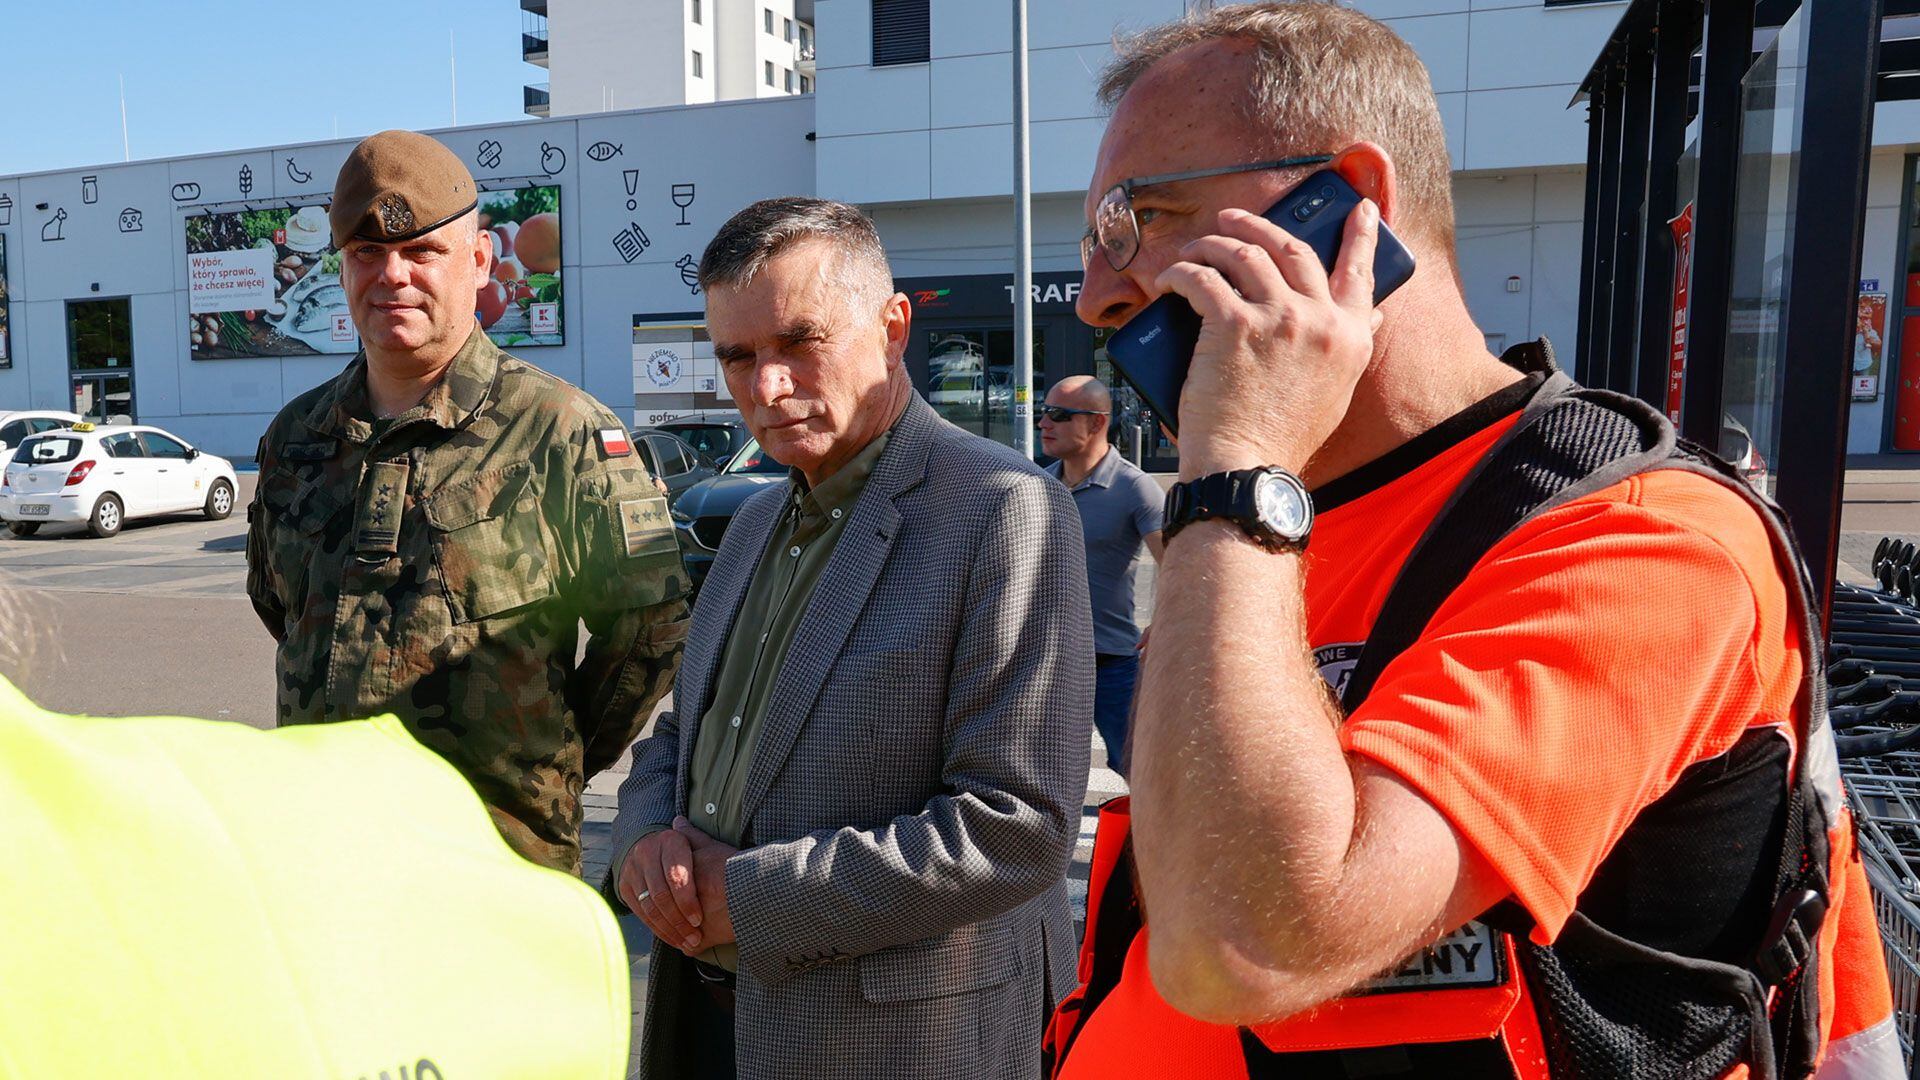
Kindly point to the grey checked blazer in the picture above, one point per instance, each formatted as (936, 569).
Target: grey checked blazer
(901, 906)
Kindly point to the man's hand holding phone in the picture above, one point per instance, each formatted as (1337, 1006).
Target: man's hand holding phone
(1282, 342)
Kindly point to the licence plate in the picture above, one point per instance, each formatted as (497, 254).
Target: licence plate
(34, 509)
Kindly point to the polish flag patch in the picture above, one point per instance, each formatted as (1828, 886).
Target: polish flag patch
(613, 443)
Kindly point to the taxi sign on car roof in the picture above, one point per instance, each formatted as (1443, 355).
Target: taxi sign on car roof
(83, 426)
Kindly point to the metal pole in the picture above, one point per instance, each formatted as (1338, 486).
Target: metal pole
(1022, 244)
(1817, 328)
(1675, 28)
(1630, 222)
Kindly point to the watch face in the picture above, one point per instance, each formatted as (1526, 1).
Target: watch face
(1282, 507)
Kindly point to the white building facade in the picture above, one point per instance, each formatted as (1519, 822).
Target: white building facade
(613, 55)
(910, 117)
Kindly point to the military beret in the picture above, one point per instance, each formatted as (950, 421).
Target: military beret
(398, 185)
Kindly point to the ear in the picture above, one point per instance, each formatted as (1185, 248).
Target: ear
(1370, 170)
(483, 258)
(897, 323)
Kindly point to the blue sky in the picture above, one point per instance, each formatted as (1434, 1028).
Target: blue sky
(212, 75)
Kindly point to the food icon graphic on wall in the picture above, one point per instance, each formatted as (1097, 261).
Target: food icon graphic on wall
(296, 174)
(604, 150)
(683, 198)
(130, 220)
(184, 192)
(552, 158)
(632, 177)
(689, 273)
(631, 242)
(246, 180)
(56, 226)
(488, 154)
(6, 208)
(89, 189)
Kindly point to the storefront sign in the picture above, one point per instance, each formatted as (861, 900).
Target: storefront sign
(1869, 337)
(973, 295)
(672, 355)
(1677, 347)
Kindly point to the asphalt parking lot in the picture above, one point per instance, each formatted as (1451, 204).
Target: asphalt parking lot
(152, 621)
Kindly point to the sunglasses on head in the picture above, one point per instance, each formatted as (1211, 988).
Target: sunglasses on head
(1059, 413)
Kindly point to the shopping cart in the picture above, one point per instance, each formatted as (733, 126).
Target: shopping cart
(1874, 677)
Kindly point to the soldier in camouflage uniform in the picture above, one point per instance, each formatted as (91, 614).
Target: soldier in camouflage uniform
(437, 563)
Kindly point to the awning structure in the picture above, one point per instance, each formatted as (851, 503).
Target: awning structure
(1730, 139)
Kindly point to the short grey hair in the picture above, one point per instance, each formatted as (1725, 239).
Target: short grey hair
(755, 236)
(1324, 77)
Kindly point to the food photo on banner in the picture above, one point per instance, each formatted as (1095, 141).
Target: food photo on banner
(521, 305)
(265, 283)
(6, 354)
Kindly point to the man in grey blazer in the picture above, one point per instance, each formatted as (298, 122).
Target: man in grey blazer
(851, 833)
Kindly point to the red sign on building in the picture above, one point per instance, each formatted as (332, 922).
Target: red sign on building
(1682, 267)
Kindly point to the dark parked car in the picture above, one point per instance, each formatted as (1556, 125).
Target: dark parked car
(673, 461)
(703, 512)
(718, 437)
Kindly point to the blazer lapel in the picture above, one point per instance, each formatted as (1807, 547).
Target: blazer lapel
(839, 597)
(720, 598)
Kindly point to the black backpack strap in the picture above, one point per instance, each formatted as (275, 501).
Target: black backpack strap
(1569, 442)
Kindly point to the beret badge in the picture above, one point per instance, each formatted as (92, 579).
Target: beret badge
(395, 216)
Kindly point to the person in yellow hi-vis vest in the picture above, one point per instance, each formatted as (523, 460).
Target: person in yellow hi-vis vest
(187, 898)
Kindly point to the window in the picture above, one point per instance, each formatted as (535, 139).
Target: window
(789, 29)
(671, 455)
(11, 434)
(696, 12)
(123, 446)
(48, 450)
(900, 32)
(789, 76)
(806, 38)
(769, 64)
(162, 446)
(45, 423)
(696, 64)
(806, 85)
(768, 21)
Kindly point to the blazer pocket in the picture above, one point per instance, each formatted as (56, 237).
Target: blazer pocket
(971, 958)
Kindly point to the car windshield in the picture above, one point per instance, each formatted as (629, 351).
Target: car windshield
(713, 440)
(751, 461)
(48, 450)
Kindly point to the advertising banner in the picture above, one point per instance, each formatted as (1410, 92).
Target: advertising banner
(521, 305)
(674, 370)
(1677, 346)
(265, 283)
(6, 354)
(1869, 340)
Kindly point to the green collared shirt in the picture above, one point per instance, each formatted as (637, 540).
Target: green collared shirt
(803, 540)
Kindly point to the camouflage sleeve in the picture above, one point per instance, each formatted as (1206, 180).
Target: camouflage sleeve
(625, 580)
(260, 589)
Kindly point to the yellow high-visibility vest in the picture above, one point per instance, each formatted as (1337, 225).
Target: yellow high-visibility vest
(192, 899)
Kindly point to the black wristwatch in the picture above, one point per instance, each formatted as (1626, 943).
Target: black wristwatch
(1270, 504)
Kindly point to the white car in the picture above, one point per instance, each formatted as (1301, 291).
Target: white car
(101, 477)
(16, 426)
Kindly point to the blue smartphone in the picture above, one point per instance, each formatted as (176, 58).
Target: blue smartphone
(1153, 351)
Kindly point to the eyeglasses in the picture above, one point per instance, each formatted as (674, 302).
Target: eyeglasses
(1115, 232)
(1059, 413)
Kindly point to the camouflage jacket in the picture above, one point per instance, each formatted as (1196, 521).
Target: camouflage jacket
(438, 567)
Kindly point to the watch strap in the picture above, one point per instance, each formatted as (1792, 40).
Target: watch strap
(1227, 495)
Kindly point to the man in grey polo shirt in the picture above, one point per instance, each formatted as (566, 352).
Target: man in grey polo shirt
(1120, 509)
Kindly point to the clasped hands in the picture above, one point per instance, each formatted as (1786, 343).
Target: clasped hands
(676, 881)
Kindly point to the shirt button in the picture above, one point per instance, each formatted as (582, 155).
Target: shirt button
(711, 809)
(794, 551)
(736, 721)
(836, 512)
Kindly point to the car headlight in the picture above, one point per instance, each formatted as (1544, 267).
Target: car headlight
(680, 517)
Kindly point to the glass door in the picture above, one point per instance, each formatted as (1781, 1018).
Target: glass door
(100, 357)
(970, 378)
